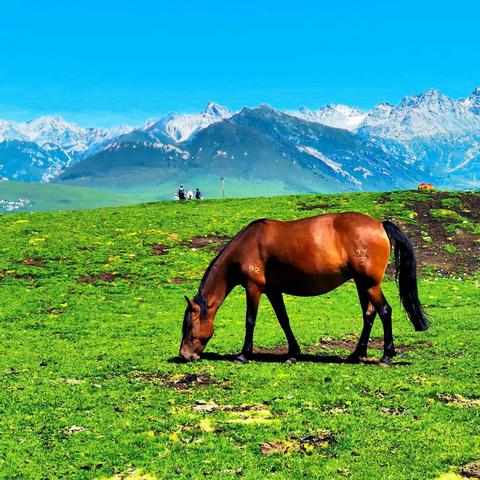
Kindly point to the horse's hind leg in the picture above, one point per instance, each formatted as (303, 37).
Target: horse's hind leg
(385, 312)
(253, 299)
(369, 314)
(276, 299)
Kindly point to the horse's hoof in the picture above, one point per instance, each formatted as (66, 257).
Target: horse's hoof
(385, 362)
(241, 359)
(294, 353)
(353, 358)
(290, 360)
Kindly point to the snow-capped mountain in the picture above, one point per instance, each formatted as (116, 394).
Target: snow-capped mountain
(337, 116)
(27, 161)
(53, 143)
(473, 101)
(179, 126)
(431, 132)
(426, 137)
(260, 147)
(429, 114)
(71, 138)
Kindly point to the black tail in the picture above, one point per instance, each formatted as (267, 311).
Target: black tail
(406, 275)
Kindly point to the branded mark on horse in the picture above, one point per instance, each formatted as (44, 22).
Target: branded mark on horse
(306, 257)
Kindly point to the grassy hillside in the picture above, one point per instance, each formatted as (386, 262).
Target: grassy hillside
(47, 196)
(91, 306)
(56, 196)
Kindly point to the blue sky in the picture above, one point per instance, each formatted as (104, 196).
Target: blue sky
(108, 62)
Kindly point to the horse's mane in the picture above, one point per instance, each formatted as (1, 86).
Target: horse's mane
(199, 298)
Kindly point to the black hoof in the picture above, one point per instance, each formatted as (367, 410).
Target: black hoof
(293, 352)
(241, 359)
(354, 358)
(385, 361)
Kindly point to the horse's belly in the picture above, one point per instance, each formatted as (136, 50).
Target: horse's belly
(306, 285)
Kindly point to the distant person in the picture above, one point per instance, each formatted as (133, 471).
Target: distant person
(198, 194)
(189, 195)
(181, 193)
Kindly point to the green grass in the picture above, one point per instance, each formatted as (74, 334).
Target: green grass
(59, 196)
(85, 367)
(49, 196)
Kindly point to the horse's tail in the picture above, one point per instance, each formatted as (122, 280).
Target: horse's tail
(406, 275)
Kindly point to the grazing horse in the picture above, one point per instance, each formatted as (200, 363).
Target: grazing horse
(306, 257)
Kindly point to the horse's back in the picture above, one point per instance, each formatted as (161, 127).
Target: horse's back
(316, 254)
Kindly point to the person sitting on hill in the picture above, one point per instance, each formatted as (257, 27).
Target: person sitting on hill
(181, 193)
(189, 195)
(198, 194)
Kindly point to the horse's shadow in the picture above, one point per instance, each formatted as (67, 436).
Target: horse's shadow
(284, 358)
(274, 357)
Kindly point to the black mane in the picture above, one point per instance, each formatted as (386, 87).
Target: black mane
(200, 297)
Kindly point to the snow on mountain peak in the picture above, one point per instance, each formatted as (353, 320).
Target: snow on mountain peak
(472, 102)
(430, 97)
(217, 110)
(428, 114)
(181, 126)
(55, 130)
(332, 115)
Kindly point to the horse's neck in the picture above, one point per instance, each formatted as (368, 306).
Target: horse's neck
(217, 286)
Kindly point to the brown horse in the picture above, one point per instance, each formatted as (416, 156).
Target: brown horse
(306, 257)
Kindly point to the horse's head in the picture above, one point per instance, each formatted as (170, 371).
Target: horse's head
(197, 329)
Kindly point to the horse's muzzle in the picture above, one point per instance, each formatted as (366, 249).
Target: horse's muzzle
(188, 356)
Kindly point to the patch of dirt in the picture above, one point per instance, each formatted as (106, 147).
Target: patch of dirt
(203, 406)
(180, 382)
(33, 262)
(208, 241)
(159, 249)
(433, 253)
(320, 440)
(72, 381)
(190, 380)
(20, 276)
(471, 202)
(472, 470)
(378, 393)
(384, 198)
(104, 277)
(178, 280)
(132, 474)
(393, 410)
(251, 416)
(314, 206)
(347, 343)
(277, 350)
(73, 430)
(458, 400)
(86, 248)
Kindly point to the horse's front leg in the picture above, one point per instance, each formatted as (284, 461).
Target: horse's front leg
(276, 299)
(253, 299)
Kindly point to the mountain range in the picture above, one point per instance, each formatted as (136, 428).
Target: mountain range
(425, 138)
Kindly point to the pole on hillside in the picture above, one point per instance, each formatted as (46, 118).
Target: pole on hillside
(223, 187)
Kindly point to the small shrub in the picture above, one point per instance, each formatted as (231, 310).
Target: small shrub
(450, 248)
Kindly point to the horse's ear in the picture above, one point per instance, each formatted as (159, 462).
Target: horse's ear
(189, 302)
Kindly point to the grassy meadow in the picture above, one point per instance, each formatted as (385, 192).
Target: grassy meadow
(91, 306)
(50, 196)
